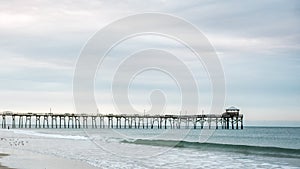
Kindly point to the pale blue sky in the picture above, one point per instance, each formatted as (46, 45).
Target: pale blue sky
(257, 42)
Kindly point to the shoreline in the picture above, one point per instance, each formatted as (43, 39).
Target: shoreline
(31, 160)
(14, 158)
(1, 156)
(56, 149)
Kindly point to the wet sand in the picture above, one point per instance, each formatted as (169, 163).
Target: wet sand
(24, 159)
(13, 157)
(1, 166)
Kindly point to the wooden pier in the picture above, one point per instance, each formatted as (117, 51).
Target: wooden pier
(231, 119)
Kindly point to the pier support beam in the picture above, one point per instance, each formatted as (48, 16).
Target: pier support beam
(227, 123)
(94, 121)
(21, 121)
(242, 127)
(13, 121)
(37, 121)
(110, 122)
(45, 122)
(28, 119)
(237, 122)
(3, 121)
(101, 122)
(77, 122)
(70, 120)
(53, 119)
(62, 119)
(84, 122)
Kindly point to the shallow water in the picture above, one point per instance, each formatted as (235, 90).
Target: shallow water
(253, 147)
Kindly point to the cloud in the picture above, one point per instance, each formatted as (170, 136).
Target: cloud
(258, 44)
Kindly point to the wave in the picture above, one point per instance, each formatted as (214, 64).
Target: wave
(244, 149)
(32, 133)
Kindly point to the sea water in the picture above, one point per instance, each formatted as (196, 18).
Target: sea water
(252, 147)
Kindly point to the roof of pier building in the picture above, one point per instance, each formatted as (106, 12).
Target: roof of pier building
(231, 111)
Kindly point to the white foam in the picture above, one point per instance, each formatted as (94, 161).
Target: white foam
(33, 133)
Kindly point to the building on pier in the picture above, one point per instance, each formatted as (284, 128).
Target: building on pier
(232, 116)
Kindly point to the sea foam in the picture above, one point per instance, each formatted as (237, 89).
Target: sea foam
(47, 135)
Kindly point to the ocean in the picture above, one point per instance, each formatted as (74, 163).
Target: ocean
(252, 147)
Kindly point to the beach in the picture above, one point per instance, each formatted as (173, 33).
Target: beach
(150, 85)
(1, 166)
(28, 160)
(253, 147)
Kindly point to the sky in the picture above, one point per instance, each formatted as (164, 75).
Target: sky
(257, 42)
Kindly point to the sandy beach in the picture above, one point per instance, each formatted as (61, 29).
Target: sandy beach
(27, 160)
(12, 156)
(1, 166)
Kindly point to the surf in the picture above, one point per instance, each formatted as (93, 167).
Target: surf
(235, 148)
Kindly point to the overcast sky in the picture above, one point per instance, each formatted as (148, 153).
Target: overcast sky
(256, 41)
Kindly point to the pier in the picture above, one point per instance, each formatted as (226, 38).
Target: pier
(230, 119)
